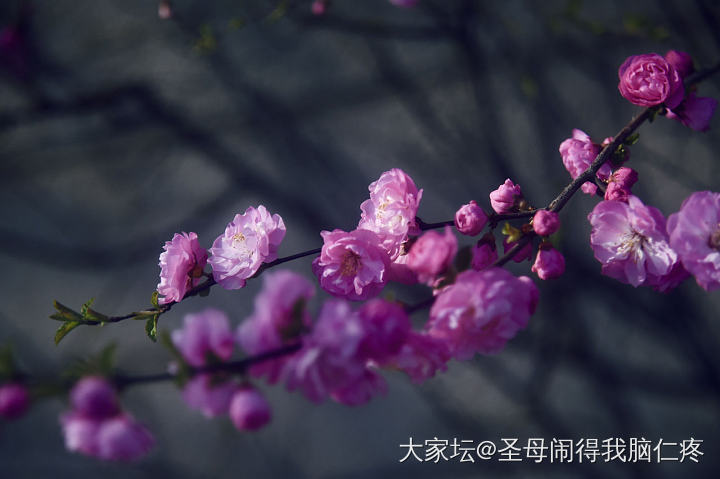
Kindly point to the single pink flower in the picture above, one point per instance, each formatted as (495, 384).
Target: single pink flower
(578, 153)
(205, 394)
(481, 311)
(249, 240)
(484, 253)
(249, 410)
(506, 197)
(432, 254)
(204, 333)
(80, 433)
(546, 222)
(620, 184)
(649, 80)
(94, 397)
(279, 317)
(391, 210)
(122, 438)
(695, 112)
(181, 267)
(470, 219)
(695, 235)
(630, 241)
(352, 265)
(549, 263)
(14, 400)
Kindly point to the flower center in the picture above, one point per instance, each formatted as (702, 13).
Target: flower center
(350, 264)
(631, 242)
(238, 237)
(714, 240)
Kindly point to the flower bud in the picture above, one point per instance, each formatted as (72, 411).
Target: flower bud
(506, 197)
(432, 254)
(549, 262)
(546, 222)
(249, 410)
(14, 400)
(484, 253)
(470, 219)
(94, 397)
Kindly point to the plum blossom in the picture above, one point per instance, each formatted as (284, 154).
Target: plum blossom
(204, 333)
(391, 210)
(695, 235)
(387, 325)
(630, 241)
(94, 397)
(546, 222)
(549, 262)
(122, 438)
(249, 240)
(484, 253)
(695, 112)
(352, 265)
(481, 311)
(421, 356)
(181, 267)
(649, 80)
(209, 396)
(14, 400)
(620, 184)
(279, 316)
(432, 254)
(682, 62)
(470, 219)
(506, 198)
(249, 410)
(578, 153)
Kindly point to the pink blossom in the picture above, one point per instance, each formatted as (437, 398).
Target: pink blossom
(481, 311)
(181, 267)
(400, 272)
(649, 80)
(94, 397)
(352, 265)
(330, 357)
(578, 153)
(122, 438)
(432, 254)
(695, 235)
(80, 433)
(386, 325)
(208, 395)
(630, 241)
(681, 62)
(207, 332)
(484, 253)
(470, 219)
(249, 240)
(546, 222)
(421, 356)
(279, 317)
(360, 391)
(391, 210)
(621, 181)
(549, 262)
(249, 410)
(695, 112)
(522, 254)
(506, 197)
(14, 400)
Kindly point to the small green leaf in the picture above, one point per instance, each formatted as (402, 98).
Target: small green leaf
(86, 306)
(64, 329)
(511, 232)
(64, 313)
(151, 328)
(154, 299)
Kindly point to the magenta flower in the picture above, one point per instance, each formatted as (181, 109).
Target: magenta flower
(360, 391)
(80, 433)
(630, 241)
(279, 317)
(481, 311)
(352, 265)
(249, 240)
(549, 262)
(681, 62)
(319, 7)
(122, 438)
(212, 398)
(432, 254)
(506, 197)
(470, 219)
(695, 112)
(204, 333)
(546, 222)
(484, 253)
(181, 267)
(330, 357)
(249, 410)
(94, 397)
(400, 272)
(578, 153)
(387, 325)
(421, 356)
(620, 184)
(391, 210)
(695, 235)
(14, 400)
(649, 80)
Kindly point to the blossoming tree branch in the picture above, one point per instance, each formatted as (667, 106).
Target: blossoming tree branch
(475, 305)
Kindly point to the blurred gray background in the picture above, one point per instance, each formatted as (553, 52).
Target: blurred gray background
(118, 129)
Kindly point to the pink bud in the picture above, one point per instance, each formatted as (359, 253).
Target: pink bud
(249, 410)
(546, 222)
(484, 253)
(94, 397)
(14, 400)
(432, 254)
(470, 219)
(505, 198)
(621, 181)
(319, 7)
(122, 438)
(549, 262)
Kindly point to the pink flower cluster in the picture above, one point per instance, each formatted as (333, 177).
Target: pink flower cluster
(97, 426)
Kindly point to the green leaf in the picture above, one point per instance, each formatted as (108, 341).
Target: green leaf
(86, 306)
(64, 329)
(151, 328)
(511, 232)
(154, 299)
(64, 313)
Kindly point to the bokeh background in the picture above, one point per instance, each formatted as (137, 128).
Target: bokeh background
(118, 129)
